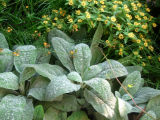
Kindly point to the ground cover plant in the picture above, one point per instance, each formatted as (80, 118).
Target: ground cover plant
(72, 90)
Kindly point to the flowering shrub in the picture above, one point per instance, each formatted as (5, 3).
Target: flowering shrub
(128, 26)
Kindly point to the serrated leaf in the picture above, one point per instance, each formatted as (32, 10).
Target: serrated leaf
(74, 76)
(62, 49)
(43, 56)
(45, 70)
(16, 107)
(96, 53)
(69, 103)
(6, 60)
(38, 113)
(59, 86)
(112, 69)
(3, 41)
(146, 117)
(92, 72)
(78, 115)
(131, 69)
(58, 33)
(144, 94)
(53, 114)
(154, 105)
(132, 83)
(8, 80)
(25, 55)
(99, 105)
(82, 57)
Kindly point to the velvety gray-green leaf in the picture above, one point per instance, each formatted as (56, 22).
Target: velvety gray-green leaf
(43, 55)
(112, 69)
(137, 110)
(132, 83)
(8, 80)
(131, 69)
(124, 108)
(58, 33)
(38, 113)
(38, 88)
(62, 49)
(53, 114)
(99, 105)
(45, 70)
(16, 108)
(82, 57)
(145, 94)
(59, 86)
(78, 115)
(146, 117)
(3, 41)
(102, 87)
(92, 72)
(74, 76)
(96, 52)
(154, 105)
(25, 55)
(69, 103)
(6, 60)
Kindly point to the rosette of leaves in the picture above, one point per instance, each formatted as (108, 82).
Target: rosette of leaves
(13, 105)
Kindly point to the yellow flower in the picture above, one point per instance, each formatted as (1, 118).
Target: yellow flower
(59, 26)
(125, 6)
(114, 6)
(55, 18)
(129, 16)
(121, 36)
(131, 35)
(88, 15)
(98, 19)
(121, 50)
(4, 4)
(102, 2)
(145, 44)
(149, 57)
(138, 41)
(148, 10)
(113, 18)
(127, 10)
(136, 23)
(107, 41)
(75, 27)
(136, 30)
(95, 2)
(118, 26)
(45, 22)
(135, 52)
(106, 21)
(89, 0)
(140, 48)
(143, 64)
(120, 53)
(139, 4)
(134, 8)
(70, 20)
(78, 12)
(151, 48)
(141, 13)
(80, 20)
(16, 53)
(83, 3)
(27, 6)
(144, 26)
(154, 24)
(130, 85)
(145, 18)
(121, 45)
(71, 2)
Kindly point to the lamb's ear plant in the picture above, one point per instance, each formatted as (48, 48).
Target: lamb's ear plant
(69, 88)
